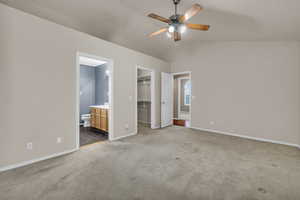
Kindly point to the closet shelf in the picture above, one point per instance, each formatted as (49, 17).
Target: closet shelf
(144, 101)
(144, 78)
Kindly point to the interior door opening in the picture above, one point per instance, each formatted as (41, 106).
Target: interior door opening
(182, 91)
(95, 101)
(145, 98)
(176, 99)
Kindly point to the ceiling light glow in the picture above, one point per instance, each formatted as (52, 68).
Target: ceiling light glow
(182, 28)
(171, 29)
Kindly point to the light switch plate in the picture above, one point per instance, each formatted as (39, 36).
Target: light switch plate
(29, 146)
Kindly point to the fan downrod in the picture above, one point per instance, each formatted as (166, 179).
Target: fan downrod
(175, 18)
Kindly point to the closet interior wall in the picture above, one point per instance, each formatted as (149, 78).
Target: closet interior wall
(144, 97)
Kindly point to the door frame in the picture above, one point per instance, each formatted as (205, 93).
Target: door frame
(189, 73)
(110, 64)
(152, 94)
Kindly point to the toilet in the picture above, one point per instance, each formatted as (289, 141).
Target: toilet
(86, 120)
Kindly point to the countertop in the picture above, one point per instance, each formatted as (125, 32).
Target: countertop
(100, 106)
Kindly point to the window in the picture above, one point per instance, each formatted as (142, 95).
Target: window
(187, 93)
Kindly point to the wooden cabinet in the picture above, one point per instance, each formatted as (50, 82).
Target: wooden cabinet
(99, 118)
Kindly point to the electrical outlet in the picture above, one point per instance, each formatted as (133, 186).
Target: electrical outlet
(58, 140)
(29, 146)
(211, 122)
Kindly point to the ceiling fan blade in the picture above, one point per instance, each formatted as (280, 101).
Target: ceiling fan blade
(177, 36)
(158, 32)
(197, 26)
(160, 18)
(195, 9)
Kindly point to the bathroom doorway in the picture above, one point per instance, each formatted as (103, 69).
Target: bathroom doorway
(145, 98)
(94, 108)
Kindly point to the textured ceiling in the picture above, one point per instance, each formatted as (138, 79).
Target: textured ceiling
(124, 21)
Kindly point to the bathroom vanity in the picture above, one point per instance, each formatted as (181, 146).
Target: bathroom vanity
(99, 117)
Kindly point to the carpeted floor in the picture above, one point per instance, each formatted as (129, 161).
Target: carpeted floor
(172, 163)
(89, 136)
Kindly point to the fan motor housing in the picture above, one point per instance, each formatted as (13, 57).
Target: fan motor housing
(176, 2)
(175, 19)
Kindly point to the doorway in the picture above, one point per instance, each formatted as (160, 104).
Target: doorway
(94, 99)
(145, 98)
(182, 91)
(176, 99)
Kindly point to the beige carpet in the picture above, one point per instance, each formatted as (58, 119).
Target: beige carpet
(173, 163)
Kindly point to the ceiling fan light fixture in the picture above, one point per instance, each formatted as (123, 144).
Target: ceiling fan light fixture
(171, 28)
(177, 23)
(182, 28)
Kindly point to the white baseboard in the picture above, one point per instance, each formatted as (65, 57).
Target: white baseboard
(167, 125)
(21, 164)
(246, 137)
(155, 127)
(124, 136)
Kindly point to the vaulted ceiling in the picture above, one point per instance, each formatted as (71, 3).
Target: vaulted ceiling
(125, 22)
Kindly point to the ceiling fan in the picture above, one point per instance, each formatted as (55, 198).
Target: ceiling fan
(177, 23)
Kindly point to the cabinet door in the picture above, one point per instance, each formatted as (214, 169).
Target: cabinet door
(103, 123)
(97, 121)
(93, 119)
(98, 110)
(93, 110)
(103, 112)
(93, 123)
(104, 119)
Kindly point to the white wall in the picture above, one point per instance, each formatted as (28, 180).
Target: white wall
(245, 88)
(38, 84)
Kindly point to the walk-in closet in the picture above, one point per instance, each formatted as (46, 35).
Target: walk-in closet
(144, 97)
